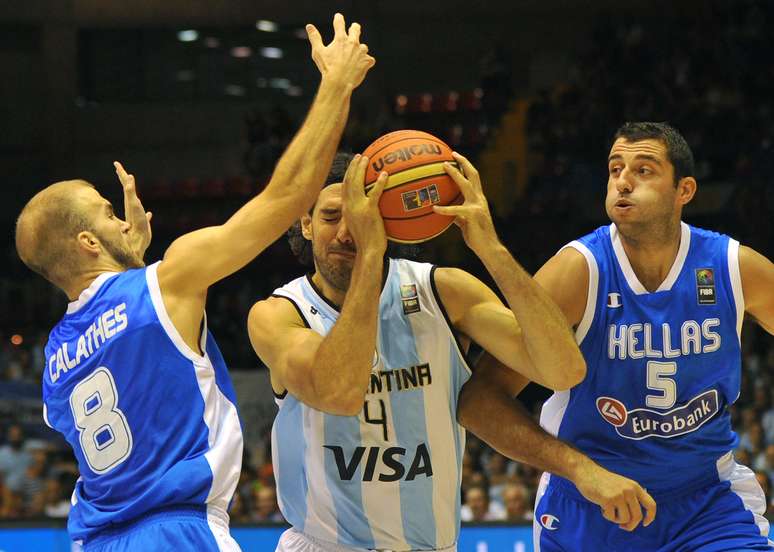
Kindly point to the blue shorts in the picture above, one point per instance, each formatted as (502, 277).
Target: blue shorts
(723, 516)
(178, 529)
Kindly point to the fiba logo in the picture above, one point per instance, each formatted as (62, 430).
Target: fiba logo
(613, 300)
(549, 522)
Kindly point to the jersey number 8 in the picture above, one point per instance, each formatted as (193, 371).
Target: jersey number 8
(105, 438)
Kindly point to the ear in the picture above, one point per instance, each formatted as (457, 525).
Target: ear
(686, 189)
(89, 243)
(306, 226)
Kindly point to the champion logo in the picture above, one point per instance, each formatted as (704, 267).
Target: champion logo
(612, 410)
(549, 522)
(613, 300)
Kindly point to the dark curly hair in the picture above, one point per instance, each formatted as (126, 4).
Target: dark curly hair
(299, 245)
(302, 248)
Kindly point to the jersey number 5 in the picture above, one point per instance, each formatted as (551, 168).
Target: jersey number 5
(658, 381)
(105, 438)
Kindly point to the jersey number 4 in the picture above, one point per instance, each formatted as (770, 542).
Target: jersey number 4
(105, 437)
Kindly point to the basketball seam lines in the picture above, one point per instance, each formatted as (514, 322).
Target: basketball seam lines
(408, 138)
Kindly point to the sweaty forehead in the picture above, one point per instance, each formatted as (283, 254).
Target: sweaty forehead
(641, 147)
(329, 198)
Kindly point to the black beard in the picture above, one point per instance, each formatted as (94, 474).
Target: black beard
(338, 276)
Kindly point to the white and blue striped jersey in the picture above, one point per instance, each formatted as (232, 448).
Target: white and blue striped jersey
(153, 424)
(663, 366)
(388, 478)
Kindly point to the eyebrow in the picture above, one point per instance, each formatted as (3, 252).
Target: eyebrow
(644, 156)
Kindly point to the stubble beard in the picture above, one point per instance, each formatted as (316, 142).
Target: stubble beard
(336, 275)
(122, 254)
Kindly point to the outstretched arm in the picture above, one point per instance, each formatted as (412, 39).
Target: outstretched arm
(758, 286)
(197, 260)
(487, 408)
(331, 372)
(550, 355)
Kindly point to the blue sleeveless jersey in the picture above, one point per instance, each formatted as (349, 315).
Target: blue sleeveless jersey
(663, 367)
(152, 423)
(388, 478)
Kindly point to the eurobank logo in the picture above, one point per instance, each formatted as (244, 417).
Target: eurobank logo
(642, 423)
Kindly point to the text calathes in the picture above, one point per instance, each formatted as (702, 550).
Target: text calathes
(69, 355)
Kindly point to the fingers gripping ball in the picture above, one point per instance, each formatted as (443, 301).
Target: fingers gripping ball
(414, 161)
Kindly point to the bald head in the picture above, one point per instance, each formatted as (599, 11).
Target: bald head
(47, 228)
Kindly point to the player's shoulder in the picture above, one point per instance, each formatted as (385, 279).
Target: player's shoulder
(273, 313)
(705, 235)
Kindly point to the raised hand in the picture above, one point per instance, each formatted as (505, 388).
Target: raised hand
(345, 59)
(134, 213)
(473, 216)
(620, 499)
(360, 210)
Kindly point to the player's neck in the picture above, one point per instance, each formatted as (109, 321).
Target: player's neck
(329, 292)
(85, 278)
(652, 254)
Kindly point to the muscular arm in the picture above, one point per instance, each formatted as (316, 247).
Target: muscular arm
(565, 278)
(540, 349)
(550, 355)
(331, 372)
(197, 260)
(487, 408)
(757, 274)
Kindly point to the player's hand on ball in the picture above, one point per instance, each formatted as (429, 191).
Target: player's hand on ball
(473, 216)
(134, 213)
(360, 209)
(345, 60)
(620, 499)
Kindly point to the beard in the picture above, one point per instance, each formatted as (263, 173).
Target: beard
(122, 253)
(338, 275)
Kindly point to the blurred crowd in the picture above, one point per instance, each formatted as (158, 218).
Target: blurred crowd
(708, 72)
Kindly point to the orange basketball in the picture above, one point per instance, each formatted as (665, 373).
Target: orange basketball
(414, 161)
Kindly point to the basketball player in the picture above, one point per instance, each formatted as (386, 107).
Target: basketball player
(657, 308)
(367, 369)
(133, 380)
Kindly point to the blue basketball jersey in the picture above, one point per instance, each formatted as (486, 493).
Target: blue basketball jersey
(152, 423)
(663, 366)
(388, 478)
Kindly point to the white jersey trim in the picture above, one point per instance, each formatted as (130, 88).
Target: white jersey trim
(88, 293)
(735, 275)
(220, 531)
(152, 278)
(746, 487)
(626, 267)
(45, 416)
(591, 298)
(224, 432)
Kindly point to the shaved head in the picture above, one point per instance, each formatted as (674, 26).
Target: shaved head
(47, 228)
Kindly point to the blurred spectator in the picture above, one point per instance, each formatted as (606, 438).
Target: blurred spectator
(479, 508)
(516, 499)
(14, 461)
(266, 508)
(239, 511)
(57, 495)
(33, 497)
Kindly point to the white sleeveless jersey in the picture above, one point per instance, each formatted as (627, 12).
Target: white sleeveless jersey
(388, 478)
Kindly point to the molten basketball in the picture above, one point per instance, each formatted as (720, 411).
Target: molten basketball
(414, 161)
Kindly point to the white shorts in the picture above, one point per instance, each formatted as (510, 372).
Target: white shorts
(296, 541)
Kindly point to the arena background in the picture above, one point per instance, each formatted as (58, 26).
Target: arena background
(199, 98)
